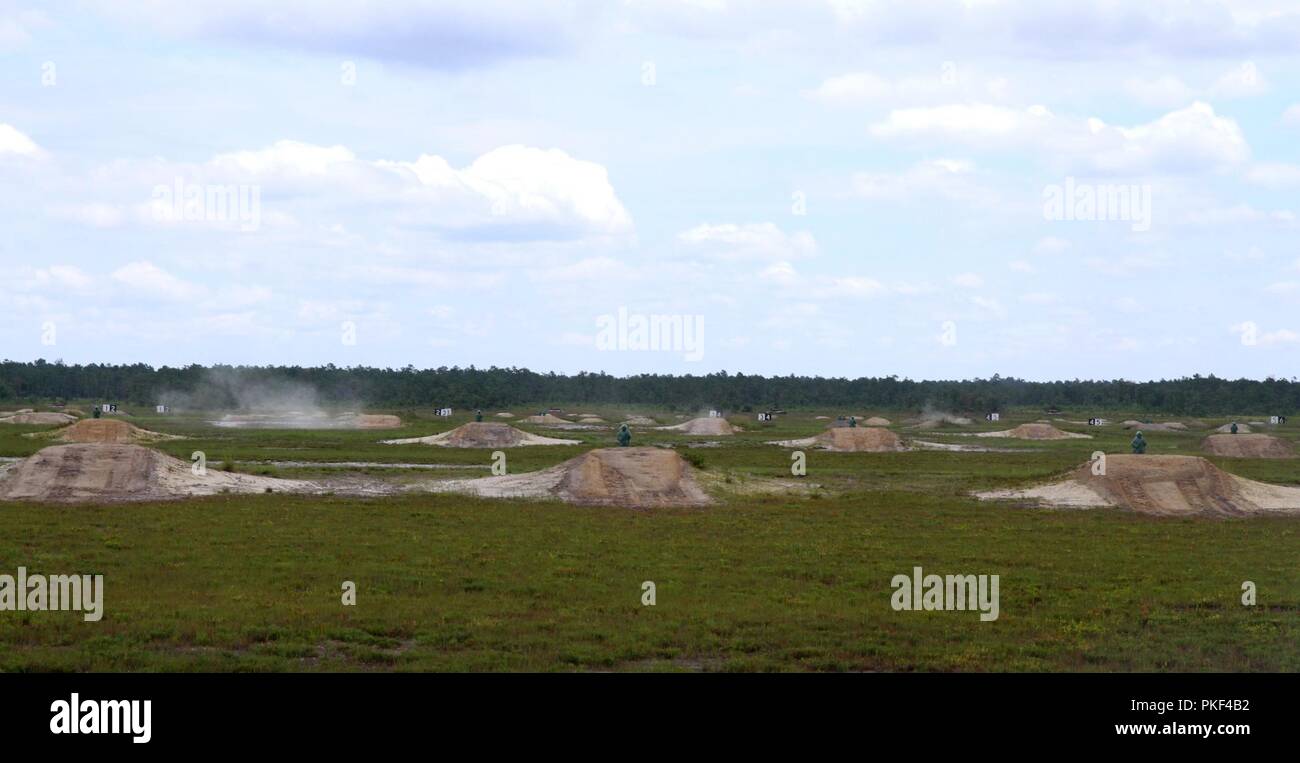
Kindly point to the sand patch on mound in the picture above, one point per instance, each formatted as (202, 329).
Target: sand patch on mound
(483, 434)
(1248, 446)
(505, 415)
(107, 431)
(876, 421)
(629, 477)
(28, 417)
(708, 425)
(641, 421)
(118, 473)
(1227, 429)
(850, 440)
(1036, 432)
(592, 420)
(1167, 486)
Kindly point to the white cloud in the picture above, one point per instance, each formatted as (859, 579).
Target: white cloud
(1291, 116)
(1050, 245)
(967, 280)
(14, 142)
(763, 241)
(1243, 81)
(782, 273)
(54, 278)
(944, 178)
(1193, 138)
(851, 287)
(1168, 91)
(1251, 336)
(146, 279)
(853, 87)
(514, 192)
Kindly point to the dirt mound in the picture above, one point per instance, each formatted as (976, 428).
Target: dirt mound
(109, 431)
(630, 477)
(708, 425)
(28, 417)
(1169, 426)
(1248, 446)
(592, 420)
(872, 439)
(483, 434)
(849, 440)
(114, 473)
(876, 421)
(1227, 428)
(545, 418)
(1164, 486)
(641, 421)
(1035, 432)
(505, 415)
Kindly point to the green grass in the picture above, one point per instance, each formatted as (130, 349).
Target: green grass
(773, 582)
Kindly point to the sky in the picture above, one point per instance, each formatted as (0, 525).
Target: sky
(933, 189)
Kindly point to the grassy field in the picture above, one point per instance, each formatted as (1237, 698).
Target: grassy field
(797, 581)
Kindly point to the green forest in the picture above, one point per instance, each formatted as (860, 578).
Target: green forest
(213, 387)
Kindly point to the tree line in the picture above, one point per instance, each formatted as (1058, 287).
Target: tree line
(471, 387)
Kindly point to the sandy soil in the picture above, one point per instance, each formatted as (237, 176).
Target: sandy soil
(110, 473)
(483, 434)
(641, 421)
(707, 425)
(875, 421)
(629, 477)
(1248, 446)
(505, 415)
(1036, 432)
(1167, 486)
